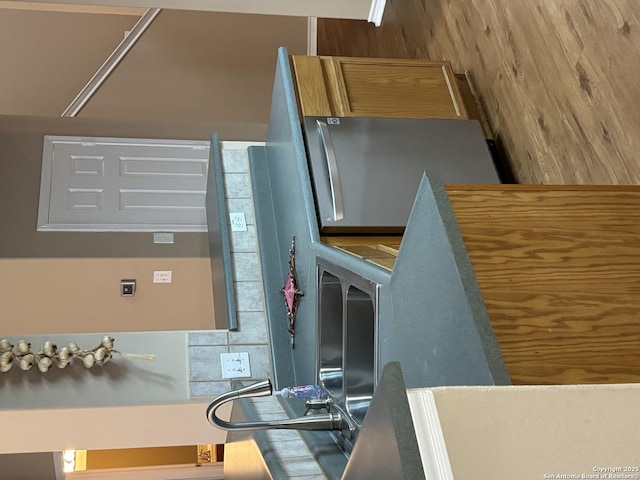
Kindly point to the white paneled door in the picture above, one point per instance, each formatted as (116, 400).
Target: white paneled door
(123, 184)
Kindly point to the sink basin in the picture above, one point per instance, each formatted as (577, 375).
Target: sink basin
(347, 363)
(359, 353)
(330, 356)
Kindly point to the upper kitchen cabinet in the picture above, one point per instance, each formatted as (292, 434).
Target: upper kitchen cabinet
(370, 87)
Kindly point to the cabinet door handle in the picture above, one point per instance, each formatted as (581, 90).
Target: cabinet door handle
(332, 167)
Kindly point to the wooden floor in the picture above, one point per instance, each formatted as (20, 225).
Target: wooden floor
(558, 79)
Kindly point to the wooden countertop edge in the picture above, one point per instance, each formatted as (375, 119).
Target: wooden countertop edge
(520, 187)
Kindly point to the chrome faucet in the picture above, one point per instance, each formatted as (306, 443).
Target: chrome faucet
(332, 420)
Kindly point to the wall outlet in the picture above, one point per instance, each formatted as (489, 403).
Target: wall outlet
(238, 222)
(235, 365)
(162, 276)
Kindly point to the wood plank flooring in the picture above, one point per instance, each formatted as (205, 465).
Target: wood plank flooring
(557, 79)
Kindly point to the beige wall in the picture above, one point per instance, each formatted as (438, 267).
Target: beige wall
(43, 296)
(189, 67)
(200, 67)
(358, 9)
(47, 57)
(526, 433)
(109, 427)
(43, 270)
(66, 7)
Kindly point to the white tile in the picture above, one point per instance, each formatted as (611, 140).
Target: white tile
(237, 185)
(300, 466)
(268, 399)
(249, 296)
(252, 329)
(291, 448)
(271, 416)
(244, 241)
(204, 363)
(208, 389)
(273, 409)
(282, 435)
(246, 266)
(235, 161)
(209, 337)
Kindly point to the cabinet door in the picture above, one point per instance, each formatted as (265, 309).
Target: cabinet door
(365, 87)
(397, 88)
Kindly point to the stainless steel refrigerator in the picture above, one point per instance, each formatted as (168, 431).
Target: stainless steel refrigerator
(366, 171)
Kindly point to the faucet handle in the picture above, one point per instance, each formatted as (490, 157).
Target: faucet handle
(317, 404)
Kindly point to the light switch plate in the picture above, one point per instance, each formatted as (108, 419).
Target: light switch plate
(163, 276)
(235, 365)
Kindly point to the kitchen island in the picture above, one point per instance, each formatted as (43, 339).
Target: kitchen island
(439, 317)
(429, 316)
(551, 312)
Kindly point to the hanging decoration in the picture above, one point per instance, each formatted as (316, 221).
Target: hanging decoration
(291, 293)
(49, 355)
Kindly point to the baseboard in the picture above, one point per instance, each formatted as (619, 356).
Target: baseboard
(376, 12)
(433, 450)
(312, 35)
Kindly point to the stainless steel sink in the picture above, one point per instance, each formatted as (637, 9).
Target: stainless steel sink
(347, 360)
(330, 355)
(359, 352)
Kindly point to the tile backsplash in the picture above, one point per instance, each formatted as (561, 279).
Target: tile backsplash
(205, 347)
(205, 370)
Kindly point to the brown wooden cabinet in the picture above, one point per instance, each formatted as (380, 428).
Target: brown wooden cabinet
(370, 87)
(559, 271)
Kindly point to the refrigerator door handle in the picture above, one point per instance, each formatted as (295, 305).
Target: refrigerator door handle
(332, 167)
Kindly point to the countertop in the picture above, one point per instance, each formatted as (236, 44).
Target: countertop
(432, 319)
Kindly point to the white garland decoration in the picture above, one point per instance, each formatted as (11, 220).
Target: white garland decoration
(49, 355)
